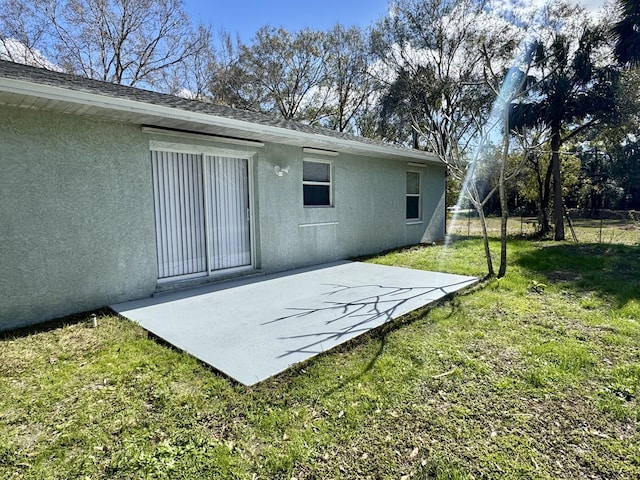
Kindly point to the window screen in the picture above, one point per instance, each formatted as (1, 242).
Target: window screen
(316, 184)
(413, 196)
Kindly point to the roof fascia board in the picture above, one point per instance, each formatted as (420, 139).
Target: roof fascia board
(50, 92)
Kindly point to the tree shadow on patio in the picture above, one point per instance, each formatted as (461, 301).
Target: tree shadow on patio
(376, 306)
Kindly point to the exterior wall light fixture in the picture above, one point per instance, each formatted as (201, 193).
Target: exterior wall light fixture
(280, 171)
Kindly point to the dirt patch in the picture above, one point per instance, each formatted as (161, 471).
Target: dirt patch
(563, 276)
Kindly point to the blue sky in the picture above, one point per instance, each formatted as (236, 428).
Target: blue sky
(245, 17)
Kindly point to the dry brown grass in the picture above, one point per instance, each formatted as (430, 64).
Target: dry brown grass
(626, 232)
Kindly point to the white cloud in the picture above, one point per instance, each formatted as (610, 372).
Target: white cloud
(187, 94)
(592, 5)
(16, 51)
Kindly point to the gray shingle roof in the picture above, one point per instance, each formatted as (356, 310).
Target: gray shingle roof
(42, 76)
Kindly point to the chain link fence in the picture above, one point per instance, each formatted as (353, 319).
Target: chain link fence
(589, 226)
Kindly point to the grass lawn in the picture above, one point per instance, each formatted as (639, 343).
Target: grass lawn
(533, 376)
(610, 231)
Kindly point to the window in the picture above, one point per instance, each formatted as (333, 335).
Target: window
(413, 195)
(316, 184)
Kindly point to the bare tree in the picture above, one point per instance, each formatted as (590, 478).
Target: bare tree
(228, 82)
(190, 77)
(280, 73)
(347, 78)
(316, 77)
(132, 42)
(22, 38)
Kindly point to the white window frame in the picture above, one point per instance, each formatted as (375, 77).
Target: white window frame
(414, 220)
(308, 182)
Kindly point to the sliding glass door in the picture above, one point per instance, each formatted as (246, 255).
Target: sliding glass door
(202, 213)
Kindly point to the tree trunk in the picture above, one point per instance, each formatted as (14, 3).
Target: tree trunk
(473, 195)
(558, 201)
(504, 204)
(485, 238)
(545, 201)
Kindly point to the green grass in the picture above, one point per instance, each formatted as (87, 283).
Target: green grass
(533, 376)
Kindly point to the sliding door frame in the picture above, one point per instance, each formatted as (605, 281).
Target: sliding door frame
(204, 152)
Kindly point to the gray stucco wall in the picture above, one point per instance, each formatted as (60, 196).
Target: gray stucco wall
(77, 225)
(76, 215)
(368, 213)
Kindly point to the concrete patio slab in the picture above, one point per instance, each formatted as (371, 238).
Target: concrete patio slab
(254, 328)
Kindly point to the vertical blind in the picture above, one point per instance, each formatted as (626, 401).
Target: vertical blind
(179, 212)
(201, 213)
(229, 213)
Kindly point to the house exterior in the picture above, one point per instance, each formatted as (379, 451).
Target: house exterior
(111, 193)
